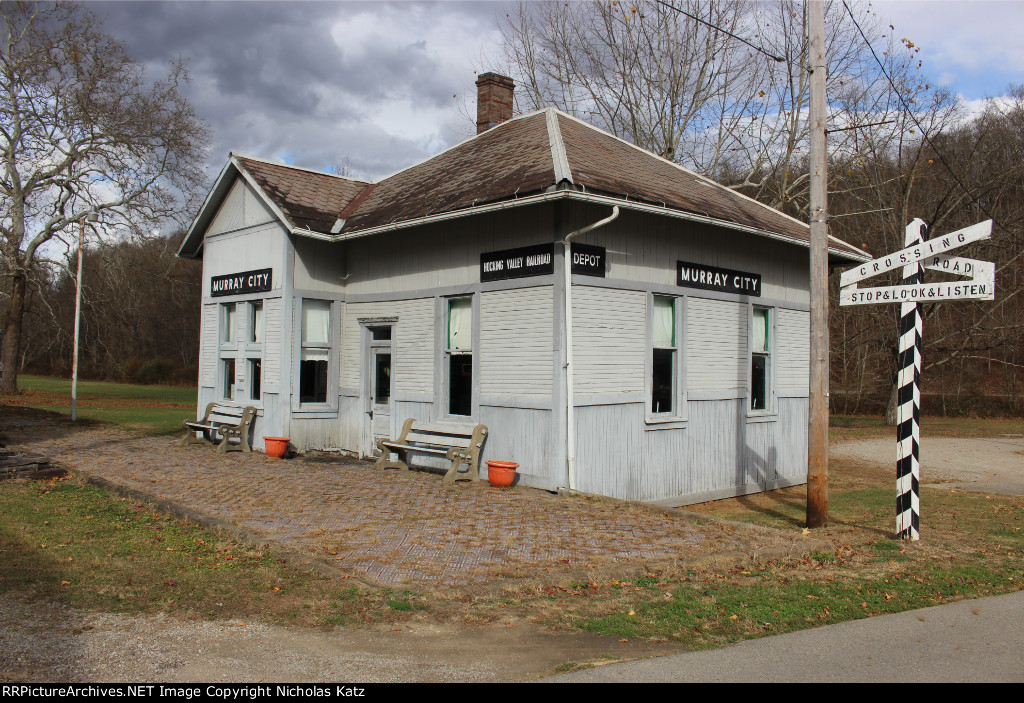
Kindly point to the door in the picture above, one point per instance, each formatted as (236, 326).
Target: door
(380, 383)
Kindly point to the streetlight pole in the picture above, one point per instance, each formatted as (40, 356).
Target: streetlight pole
(91, 217)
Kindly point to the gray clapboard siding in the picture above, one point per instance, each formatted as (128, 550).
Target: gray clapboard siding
(208, 344)
(793, 330)
(645, 248)
(414, 343)
(609, 340)
(515, 342)
(442, 254)
(258, 248)
(716, 345)
(319, 266)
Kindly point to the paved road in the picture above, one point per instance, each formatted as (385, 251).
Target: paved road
(974, 640)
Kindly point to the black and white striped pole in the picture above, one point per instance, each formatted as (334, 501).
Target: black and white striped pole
(920, 253)
(908, 399)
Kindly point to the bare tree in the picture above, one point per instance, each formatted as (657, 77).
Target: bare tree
(639, 70)
(726, 95)
(965, 172)
(81, 130)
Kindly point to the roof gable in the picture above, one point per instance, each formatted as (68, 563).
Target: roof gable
(241, 207)
(301, 199)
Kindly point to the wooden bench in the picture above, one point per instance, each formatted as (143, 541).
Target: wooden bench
(460, 444)
(222, 423)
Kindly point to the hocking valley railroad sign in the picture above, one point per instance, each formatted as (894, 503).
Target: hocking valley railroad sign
(920, 253)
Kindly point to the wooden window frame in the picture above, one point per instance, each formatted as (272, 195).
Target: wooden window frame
(770, 409)
(678, 415)
(443, 411)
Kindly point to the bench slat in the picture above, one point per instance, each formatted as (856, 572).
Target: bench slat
(399, 445)
(444, 428)
(435, 439)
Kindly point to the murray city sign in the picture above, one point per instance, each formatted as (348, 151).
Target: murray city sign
(919, 254)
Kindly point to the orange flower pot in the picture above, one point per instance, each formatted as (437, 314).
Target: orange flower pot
(501, 474)
(276, 447)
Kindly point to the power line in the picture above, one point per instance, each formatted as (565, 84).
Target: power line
(780, 59)
(910, 112)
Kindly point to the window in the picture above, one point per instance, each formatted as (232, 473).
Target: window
(663, 355)
(256, 322)
(459, 353)
(760, 360)
(255, 379)
(315, 351)
(227, 323)
(228, 350)
(229, 378)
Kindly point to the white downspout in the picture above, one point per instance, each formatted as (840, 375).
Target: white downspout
(570, 411)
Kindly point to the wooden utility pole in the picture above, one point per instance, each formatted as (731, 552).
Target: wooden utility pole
(817, 431)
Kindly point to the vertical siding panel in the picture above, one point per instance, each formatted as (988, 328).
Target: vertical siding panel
(231, 214)
(525, 437)
(256, 212)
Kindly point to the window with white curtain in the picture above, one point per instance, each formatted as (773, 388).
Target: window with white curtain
(228, 378)
(228, 322)
(664, 351)
(315, 351)
(256, 322)
(760, 359)
(459, 353)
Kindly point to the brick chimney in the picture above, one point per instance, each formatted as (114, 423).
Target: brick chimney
(493, 100)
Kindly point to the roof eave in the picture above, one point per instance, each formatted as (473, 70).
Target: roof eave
(579, 196)
(189, 249)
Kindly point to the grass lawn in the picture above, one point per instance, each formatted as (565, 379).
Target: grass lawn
(69, 542)
(149, 409)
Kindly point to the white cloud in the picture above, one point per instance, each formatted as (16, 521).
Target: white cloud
(974, 47)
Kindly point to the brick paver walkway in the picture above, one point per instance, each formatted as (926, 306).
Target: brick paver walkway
(395, 527)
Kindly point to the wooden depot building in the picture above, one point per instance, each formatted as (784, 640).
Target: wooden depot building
(666, 360)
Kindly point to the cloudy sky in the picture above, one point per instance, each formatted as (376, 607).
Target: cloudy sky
(379, 86)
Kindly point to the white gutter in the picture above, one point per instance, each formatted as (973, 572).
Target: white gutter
(610, 201)
(570, 410)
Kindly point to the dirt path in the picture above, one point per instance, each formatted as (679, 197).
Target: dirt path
(46, 642)
(993, 464)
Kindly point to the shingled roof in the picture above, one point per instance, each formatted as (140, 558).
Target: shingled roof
(541, 155)
(309, 199)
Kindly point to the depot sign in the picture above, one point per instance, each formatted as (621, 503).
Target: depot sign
(692, 275)
(240, 283)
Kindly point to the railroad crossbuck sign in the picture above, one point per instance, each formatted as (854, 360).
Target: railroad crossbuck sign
(919, 254)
